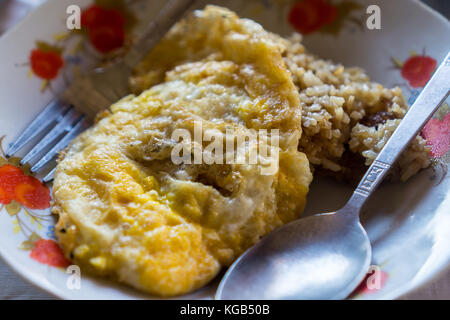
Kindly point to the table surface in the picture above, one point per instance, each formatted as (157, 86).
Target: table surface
(13, 287)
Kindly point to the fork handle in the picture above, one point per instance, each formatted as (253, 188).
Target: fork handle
(172, 12)
(431, 98)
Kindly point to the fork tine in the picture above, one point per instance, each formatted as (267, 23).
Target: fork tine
(49, 176)
(51, 113)
(81, 124)
(63, 126)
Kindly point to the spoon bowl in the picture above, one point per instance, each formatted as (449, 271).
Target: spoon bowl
(311, 258)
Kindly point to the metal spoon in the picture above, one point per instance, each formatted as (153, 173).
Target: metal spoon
(326, 256)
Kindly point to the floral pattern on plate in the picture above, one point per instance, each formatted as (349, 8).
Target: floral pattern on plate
(106, 34)
(309, 16)
(417, 70)
(106, 27)
(24, 198)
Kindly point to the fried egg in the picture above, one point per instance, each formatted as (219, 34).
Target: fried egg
(128, 212)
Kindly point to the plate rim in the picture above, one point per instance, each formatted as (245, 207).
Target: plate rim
(53, 291)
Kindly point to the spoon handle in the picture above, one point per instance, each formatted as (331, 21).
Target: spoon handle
(430, 99)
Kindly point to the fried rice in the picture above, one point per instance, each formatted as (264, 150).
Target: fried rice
(346, 118)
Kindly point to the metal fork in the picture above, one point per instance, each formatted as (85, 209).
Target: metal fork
(69, 115)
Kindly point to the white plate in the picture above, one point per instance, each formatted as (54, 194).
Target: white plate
(409, 224)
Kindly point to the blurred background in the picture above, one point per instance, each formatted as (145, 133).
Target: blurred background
(443, 6)
(11, 11)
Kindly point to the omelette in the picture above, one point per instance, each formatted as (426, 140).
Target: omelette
(127, 211)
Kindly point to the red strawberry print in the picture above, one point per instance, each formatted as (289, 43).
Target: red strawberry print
(437, 133)
(107, 38)
(96, 16)
(26, 190)
(309, 16)
(418, 70)
(48, 252)
(10, 176)
(369, 284)
(32, 194)
(106, 27)
(46, 65)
